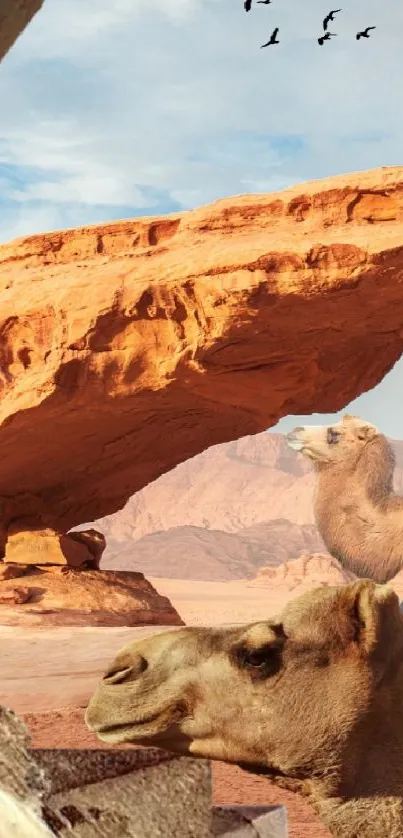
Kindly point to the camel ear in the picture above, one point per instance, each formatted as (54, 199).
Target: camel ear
(366, 432)
(375, 618)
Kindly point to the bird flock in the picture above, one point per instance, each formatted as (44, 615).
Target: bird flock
(364, 33)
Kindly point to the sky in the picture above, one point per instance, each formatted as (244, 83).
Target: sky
(118, 109)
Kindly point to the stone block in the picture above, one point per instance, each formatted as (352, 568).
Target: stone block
(46, 547)
(233, 821)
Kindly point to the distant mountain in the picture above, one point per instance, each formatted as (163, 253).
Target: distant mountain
(222, 515)
(213, 555)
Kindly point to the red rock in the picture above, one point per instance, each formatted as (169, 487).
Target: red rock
(63, 596)
(45, 547)
(10, 571)
(14, 18)
(14, 596)
(192, 329)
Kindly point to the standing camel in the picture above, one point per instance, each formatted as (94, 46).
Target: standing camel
(358, 515)
(313, 698)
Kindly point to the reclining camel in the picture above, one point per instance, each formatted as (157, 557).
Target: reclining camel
(313, 698)
(358, 515)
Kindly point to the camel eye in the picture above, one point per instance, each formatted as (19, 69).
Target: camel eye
(261, 663)
(332, 436)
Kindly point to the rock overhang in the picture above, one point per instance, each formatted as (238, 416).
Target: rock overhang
(129, 347)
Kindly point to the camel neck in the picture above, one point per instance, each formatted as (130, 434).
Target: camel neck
(369, 817)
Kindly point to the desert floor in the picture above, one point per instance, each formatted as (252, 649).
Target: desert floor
(49, 674)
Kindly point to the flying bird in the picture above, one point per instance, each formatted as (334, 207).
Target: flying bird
(364, 33)
(272, 39)
(247, 5)
(326, 37)
(264, 2)
(330, 17)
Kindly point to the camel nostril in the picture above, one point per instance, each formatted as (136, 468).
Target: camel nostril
(125, 669)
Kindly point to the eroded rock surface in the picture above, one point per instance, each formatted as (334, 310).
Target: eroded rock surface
(167, 335)
(306, 572)
(62, 596)
(45, 547)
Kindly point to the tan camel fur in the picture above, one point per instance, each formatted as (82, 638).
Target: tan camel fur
(358, 515)
(312, 697)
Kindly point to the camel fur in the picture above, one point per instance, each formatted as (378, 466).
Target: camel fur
(312, 697)
(358, 515)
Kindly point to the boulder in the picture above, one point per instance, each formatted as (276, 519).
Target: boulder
(65, 596)
(46, 547)
(14, 596)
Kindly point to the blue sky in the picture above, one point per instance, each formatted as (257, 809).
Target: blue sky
(125, 108)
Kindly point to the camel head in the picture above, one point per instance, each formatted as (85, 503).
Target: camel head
(296, 695)
(341, 443)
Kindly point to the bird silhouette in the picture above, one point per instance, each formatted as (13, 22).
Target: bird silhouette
(247, 5)
(330, 17)
(326, 37)
(364, 33)
(264, 2)
(272, 39)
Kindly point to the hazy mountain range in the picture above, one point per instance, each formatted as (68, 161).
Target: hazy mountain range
(223, 515)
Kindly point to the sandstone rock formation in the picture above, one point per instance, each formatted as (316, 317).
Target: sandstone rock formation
(45, 547)
(15, 595)
(197, 328)
(14, 17)
(306, 572)
(62, 596)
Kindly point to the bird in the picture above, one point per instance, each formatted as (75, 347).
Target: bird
(247, 5)
(364, 33)
(330, 17)
(264, 2)
(326, 37)
(272, 39)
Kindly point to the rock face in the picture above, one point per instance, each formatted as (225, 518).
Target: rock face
(45, 547)
(61, 596)
(304, 573)
(197, 328)
(14, 17)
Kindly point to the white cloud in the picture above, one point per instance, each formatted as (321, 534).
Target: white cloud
(100, 100)
(134, 106)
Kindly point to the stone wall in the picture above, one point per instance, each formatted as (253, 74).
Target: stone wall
(139, 793)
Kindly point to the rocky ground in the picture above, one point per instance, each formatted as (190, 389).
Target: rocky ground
(64, 596)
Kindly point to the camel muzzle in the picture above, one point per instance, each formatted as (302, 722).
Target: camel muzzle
(294, 440)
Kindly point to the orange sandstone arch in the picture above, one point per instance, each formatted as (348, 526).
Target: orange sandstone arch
(129, 347)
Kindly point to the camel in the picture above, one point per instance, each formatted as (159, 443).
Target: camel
(358, 515)
(313, 698)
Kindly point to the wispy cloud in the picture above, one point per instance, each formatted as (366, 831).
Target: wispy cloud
(111, 108)
(115, 109)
